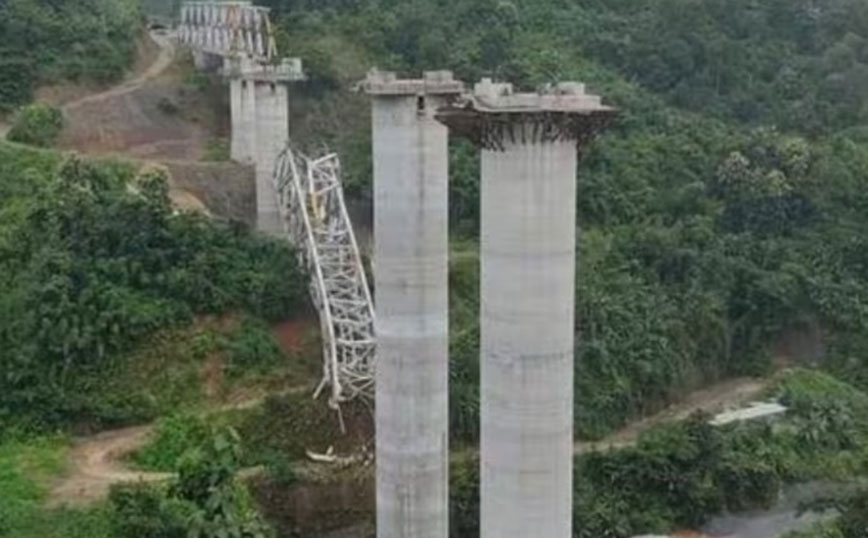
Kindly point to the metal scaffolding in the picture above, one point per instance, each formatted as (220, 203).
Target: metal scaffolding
(315, 218)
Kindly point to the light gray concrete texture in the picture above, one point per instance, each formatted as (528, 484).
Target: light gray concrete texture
(239, 145)
(272, 135)
(528, 247)
(528, 224)
(411, 275)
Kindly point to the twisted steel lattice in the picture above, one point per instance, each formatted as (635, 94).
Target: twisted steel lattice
(315, 218)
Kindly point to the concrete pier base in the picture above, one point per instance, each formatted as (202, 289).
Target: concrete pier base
(527, 330)
(411, 274)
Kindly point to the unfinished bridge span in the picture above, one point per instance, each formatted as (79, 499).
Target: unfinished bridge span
(529, 145)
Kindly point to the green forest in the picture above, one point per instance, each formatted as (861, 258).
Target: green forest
(725, 208)
(44, 42)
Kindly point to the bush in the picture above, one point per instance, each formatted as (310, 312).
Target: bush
(37, 125)
(252, 348)
(143, 511)
(205, 501)
(174, 436)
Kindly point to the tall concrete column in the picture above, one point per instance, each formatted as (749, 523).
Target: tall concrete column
(272, 135)
(411, 274)
(528, 248)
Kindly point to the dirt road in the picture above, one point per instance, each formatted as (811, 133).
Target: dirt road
(165, 41)
(712, 399)
(96, 464)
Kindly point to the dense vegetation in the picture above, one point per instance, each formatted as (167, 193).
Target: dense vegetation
(679, 474)
(51, 41)
(720, 210)
(94, 261)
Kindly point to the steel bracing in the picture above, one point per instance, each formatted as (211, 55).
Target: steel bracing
(229, 29)
(311, 204)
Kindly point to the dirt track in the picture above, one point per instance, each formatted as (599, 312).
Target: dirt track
(712, 399)
(153, 115)
(167, 54)
(96, 464)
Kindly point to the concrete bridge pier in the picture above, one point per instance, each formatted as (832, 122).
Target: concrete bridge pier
(528, 249)
(259, 103)
(411, 274)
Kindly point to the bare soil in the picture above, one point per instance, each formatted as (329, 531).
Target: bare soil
(96, 463)
(139, 118)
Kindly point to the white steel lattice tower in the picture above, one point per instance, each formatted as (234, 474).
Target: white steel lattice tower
(411, 274)
(528, 247)
(312, 210)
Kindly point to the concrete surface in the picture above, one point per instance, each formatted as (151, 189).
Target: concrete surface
(411, 275)
(272, 135)
(527, 300)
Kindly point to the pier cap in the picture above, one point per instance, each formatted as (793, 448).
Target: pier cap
(432, 83)
(494, 112)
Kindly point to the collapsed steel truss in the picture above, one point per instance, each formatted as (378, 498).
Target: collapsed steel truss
(315, 218)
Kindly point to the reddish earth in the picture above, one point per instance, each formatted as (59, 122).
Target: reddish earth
(291, 334)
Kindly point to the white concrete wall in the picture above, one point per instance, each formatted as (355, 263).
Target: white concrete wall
(528, 238)
(272, 135)
(411, 275)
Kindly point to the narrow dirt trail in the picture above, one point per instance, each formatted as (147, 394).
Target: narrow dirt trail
(164, 60)
(97, 462)
(712, 399)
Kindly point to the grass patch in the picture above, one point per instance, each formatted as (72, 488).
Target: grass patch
(25, 469)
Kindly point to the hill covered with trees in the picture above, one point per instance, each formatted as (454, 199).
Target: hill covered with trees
(43, 42)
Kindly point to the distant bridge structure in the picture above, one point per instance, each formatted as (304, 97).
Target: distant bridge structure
(228, 29)
(237, 39)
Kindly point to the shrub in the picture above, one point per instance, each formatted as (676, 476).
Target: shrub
(174, 437)
(205, 501)
(143, 511)
(37, 125)
(252, 348)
